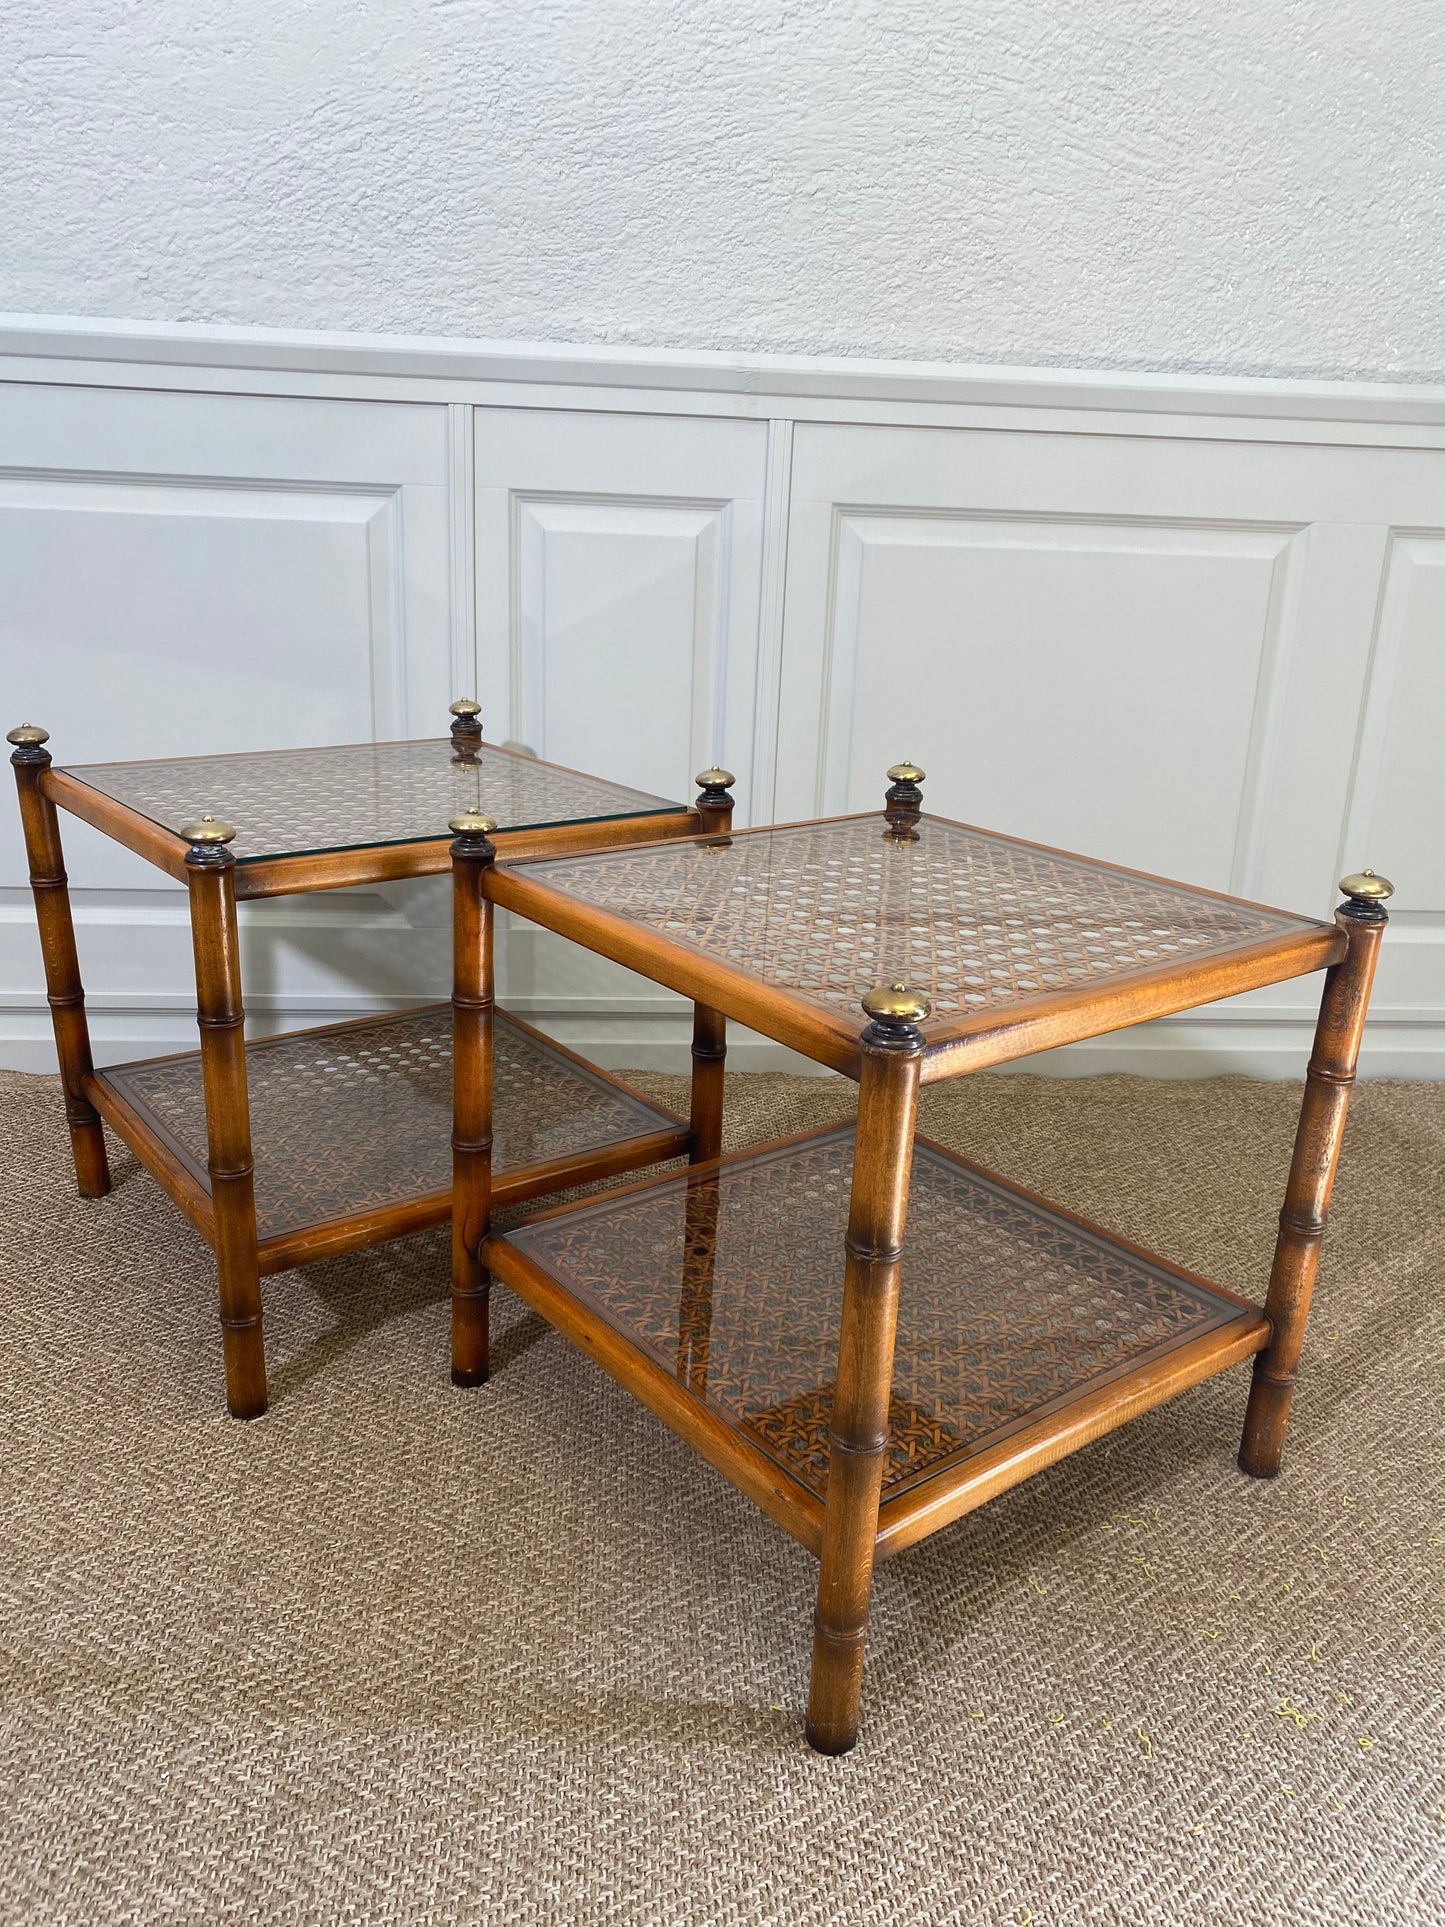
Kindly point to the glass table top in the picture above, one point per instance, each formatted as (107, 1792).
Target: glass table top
(298, 802)
(732, 1279)
(981, 923)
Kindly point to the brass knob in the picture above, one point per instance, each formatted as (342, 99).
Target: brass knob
(207, 830)
(471, 823)
(896, 1004)
(715, 779)
(464, 707)
(27, 733)
(906, 773)
(1366, 887)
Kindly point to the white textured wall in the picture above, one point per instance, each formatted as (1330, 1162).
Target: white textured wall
(1223, 185)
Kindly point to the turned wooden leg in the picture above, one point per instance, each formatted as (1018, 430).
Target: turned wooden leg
(858, 1438)
(64, 991)
(709, 1057)
(473, 853)
(714, 808)
(694, 1311)
(211, 874)
(1312, 1171)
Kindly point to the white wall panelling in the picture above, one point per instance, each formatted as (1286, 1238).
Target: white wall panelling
(1190, 625)
(1154, 649)
(619, 563)
(183, 574)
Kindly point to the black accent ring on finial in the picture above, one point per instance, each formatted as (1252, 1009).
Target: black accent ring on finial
(210, 839)
(903, 801)
(1367, 895)
(896, 1011)
(28, 745)
(473, 833)
(713, 785)
(466, 718)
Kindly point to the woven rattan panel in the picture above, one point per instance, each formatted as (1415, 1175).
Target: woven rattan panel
(359, 1116)
(289, 802)
(1008, 1311)
(829, 910)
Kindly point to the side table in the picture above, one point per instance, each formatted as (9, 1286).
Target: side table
(732, 1300)
(320, 1141)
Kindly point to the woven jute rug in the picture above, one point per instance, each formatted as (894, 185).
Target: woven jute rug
(399, 1653)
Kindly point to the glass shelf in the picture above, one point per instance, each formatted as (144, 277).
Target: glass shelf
(730, 1280)
(351, 1120)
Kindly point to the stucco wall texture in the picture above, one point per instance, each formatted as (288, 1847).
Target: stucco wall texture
(1228, 186)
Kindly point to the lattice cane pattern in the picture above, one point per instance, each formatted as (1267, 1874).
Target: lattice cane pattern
(977, 921)
(350, 1119)
(1007, 1310)
(295, 801)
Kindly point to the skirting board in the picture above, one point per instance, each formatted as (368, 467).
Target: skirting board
(1177, 1047)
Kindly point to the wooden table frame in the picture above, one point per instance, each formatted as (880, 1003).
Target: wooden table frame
(225, 1213)
(890, 1058)
(474, 1192)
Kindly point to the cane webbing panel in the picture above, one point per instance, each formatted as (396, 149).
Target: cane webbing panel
(977, 921)
(1008, 1311)
(359, 1116)
(297, 802)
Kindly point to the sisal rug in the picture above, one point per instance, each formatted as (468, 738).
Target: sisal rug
(402, 1654)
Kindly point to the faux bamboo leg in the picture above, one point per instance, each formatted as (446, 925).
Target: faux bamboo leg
(211, 874)
(858, 1438)
(709, 1057)
(472, 854)
(64, 991)
(709, 1027)
(694, 1311)
(1312, 1172)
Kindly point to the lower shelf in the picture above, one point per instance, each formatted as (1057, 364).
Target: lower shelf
(1022, 1330)
(351, 1127)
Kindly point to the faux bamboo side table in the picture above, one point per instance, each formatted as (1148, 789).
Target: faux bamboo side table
(350, 1122)
(731, 1300)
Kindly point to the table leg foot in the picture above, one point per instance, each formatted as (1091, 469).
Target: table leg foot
(835, 1692)
(471, 1324)
(1262, 1446)
(245, 1353)
(92, 1166)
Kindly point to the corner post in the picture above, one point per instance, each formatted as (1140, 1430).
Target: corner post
(892, 1048)
(709, 1027)
(1328, 1082)
(473, 853)
(211, 877)
(63, 988)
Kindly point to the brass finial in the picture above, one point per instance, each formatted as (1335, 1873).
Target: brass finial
(207, 831)
(1366, 887)
(26, 734)
(471, 823)
(893, 1005)
(903, 802)
(466, 729)
(715, 779)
